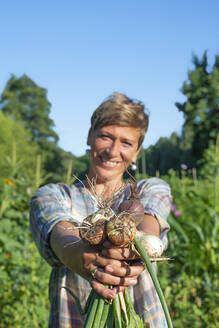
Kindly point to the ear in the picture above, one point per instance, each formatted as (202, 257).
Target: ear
(136, 154)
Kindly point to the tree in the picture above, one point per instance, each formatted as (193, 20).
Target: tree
(201, 108)
(162, 156)
(23, 100)
(16, 149)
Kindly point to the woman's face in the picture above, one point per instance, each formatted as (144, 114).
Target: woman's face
(113, 148)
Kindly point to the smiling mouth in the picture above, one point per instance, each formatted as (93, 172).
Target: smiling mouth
(108, 163)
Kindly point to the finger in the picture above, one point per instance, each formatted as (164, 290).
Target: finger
(91, 259)
(125, 270)
(108, 244)
(110, 279)
(125, 253)
(102, 290)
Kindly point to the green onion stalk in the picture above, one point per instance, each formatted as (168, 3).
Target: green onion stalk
(154, 278)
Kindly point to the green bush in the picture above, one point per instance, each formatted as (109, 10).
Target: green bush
(17, 151)
(192, 301)
(23, 274)
(191, 279)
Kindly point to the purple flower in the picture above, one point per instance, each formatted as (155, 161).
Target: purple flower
(173, 207)
(184, 166)
(177, 213)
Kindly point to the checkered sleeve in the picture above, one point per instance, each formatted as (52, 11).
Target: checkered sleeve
(49, 205)
(155, 194)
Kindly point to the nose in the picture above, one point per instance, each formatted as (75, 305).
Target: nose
(113, 150)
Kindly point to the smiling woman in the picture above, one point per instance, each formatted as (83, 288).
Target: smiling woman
(117, 131)
(113, 148)
(118, 127)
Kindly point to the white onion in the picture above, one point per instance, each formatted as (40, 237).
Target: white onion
(152, 244)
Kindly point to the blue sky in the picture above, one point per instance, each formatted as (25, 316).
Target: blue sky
(82, 51)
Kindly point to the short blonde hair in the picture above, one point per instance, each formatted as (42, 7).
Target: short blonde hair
(118, 109)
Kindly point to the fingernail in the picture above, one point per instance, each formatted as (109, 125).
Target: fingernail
(133, 281)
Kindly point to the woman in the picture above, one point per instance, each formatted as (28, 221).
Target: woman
(117, 131)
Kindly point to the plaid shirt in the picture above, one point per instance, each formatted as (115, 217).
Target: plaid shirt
(53, 203)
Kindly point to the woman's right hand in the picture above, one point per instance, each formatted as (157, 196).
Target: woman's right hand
(89, 263)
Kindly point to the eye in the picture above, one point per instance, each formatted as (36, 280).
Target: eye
(104, 136)
(127, 144)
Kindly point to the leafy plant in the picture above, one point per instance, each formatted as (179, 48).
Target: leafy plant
(23, 274)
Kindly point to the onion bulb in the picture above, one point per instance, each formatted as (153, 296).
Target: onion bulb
(121, 229)
(93, 228)
(133, 205)
(152, 244)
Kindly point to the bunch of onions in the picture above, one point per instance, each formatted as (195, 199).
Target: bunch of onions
(121, 230)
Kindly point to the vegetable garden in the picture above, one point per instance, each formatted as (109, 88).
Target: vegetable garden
(190, 280)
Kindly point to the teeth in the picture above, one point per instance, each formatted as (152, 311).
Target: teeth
(109, 162)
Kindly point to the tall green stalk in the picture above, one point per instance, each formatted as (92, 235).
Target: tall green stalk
(68, 174)
(37, 176)
(217, 176)
(14, 154)
(153, 275)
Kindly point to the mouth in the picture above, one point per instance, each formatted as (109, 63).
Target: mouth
(107, 163)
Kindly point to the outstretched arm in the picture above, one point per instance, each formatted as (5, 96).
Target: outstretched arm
(83, 259)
